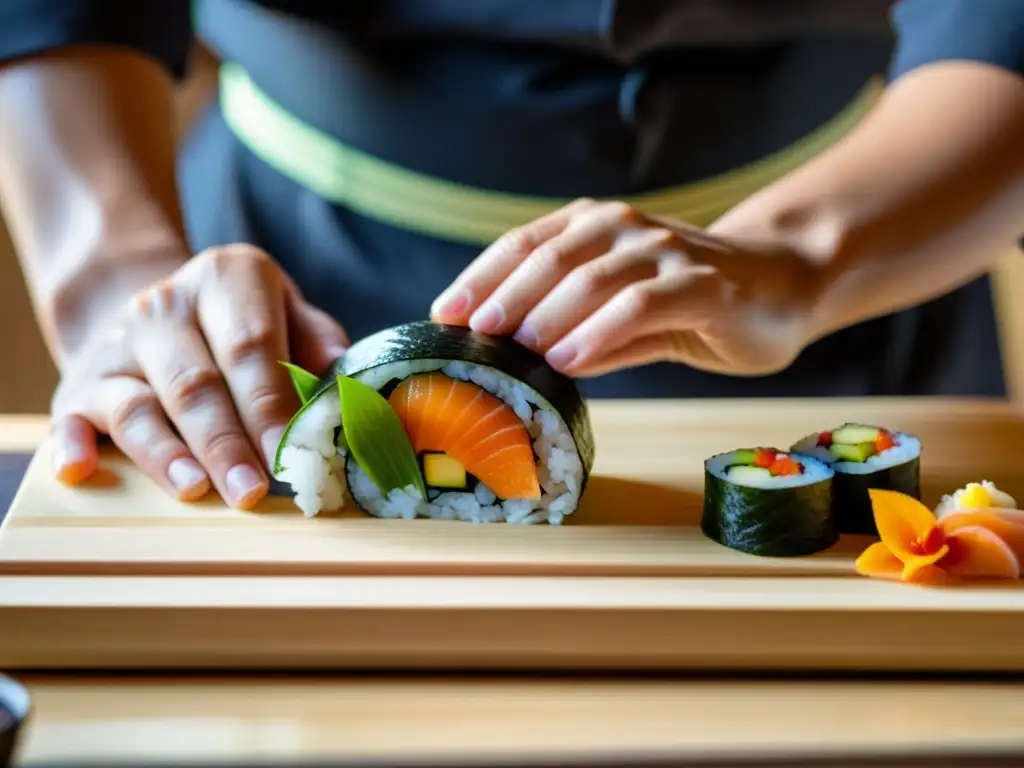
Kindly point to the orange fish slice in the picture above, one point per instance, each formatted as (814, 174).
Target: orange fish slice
(472, 426)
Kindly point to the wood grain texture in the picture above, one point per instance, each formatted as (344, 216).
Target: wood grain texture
(132, 579)
(440, 721)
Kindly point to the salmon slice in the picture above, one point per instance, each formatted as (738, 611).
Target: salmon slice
(472, 426)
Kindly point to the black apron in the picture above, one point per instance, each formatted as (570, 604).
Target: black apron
(569, 98)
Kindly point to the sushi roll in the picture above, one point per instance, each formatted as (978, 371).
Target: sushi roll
(865, 457)
(766, 502)
(486, 431)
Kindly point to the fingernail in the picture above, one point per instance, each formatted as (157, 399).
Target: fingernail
(452, 307)
(271, 440)
(244, 484)
(562, 355)
(186, 475)
(526, 336)
(488, 319)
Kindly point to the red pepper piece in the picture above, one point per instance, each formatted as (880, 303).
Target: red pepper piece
(884, 442)
(784, 466)
(764, 458)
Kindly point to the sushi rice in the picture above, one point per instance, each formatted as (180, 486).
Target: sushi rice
(975, 496)
(322, 476)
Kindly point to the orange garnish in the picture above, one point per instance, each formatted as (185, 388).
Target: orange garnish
(917, 548)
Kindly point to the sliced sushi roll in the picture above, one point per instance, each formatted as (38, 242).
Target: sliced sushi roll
(865, 457)
(765, 502)
(487, 431)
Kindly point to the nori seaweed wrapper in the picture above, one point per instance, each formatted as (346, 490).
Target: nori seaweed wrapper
(777, 522)
(853, 511)
(427, 340)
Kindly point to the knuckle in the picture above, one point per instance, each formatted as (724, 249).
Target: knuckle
(140, 305)
(131, 410)
(222, 441)
(637, 301)
(518, 241)
(553, 257)
(266, 404)
(249, 342)
(189, 386)
(620, 211)
(221, 260)
(590, 279)
(162, 299)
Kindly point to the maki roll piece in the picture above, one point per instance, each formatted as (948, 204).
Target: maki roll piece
(434, 421)
(865, 457)
(765, 502)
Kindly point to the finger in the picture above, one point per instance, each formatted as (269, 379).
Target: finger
(676, 301)
(469, 290)
(537, 274)
(315, 338)
(667, 346)
(128, 410)
(241, 311)
(74, 454)
(173, 355)
(586, 289)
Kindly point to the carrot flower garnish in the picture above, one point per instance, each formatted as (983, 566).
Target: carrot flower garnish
(917, 547)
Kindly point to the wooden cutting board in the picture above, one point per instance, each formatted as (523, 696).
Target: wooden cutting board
(139, 579)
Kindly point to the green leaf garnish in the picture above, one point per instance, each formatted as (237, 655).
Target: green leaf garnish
(305, 383)
(376, 438)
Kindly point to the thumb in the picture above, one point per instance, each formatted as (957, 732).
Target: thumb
(316, 340)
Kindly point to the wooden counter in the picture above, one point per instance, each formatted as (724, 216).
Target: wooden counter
(529, 720)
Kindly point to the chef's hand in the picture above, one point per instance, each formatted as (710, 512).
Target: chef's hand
(598, 287)
(188, 383)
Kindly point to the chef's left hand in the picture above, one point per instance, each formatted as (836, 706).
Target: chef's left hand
(598, 287)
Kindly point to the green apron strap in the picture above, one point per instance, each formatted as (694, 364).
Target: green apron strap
(409, 200)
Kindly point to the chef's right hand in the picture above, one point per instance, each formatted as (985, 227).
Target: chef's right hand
(188, 384)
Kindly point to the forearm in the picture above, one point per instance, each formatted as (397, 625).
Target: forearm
(925, 195)
(87, 184)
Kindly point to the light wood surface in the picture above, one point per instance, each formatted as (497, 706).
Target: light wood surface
(110, 720)
(395, 720)
(639, 516)
(164, 584)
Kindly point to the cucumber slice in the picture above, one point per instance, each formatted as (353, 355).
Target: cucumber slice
(861, 452)
(854, 434)
(742, 475)
(743, 457)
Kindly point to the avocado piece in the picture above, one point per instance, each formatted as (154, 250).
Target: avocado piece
(854, 434)
(748, 475)
(442, 471)
(860, 452)
(742, 457)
